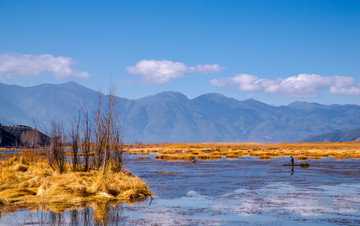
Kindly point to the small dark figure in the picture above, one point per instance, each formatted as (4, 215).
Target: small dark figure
(292, 161)
(292, 170)
(194, 160)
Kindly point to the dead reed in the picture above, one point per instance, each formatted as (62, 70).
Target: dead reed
(33, 183)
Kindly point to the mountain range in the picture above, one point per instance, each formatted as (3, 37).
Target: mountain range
(172, 117)
(336, 136)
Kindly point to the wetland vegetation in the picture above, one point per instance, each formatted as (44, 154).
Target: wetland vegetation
(211, 151)
(244, 190)
(33, 184)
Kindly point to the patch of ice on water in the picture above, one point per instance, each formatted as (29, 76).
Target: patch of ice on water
(192, 193)
(283, 197)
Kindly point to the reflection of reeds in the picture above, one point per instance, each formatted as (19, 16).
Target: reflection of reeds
(140, 157)
(164, 172)
(34, 184)
(208, 151)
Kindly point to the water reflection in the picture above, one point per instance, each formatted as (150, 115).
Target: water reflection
(102, 214)
(74, 217)
(56, 218)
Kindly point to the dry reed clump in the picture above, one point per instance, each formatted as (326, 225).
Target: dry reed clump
(207, 151)
(25, 183)
(301, 158)
(209, 157)
(231, 156)
(176, 157)
(140, 157)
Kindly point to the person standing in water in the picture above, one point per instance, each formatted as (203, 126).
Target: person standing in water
(292, 165)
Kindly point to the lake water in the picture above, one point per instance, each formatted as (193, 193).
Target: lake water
(227, 192)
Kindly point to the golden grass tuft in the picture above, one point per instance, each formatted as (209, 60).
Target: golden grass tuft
(176, 157)
(209, 156)
(34, 184)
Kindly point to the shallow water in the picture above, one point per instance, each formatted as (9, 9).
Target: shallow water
(228, 192)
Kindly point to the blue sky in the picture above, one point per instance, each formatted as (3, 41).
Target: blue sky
(277, 52)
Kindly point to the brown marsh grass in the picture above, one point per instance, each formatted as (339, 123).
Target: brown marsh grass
(209, 151)
(32, 183)
(175, 156)
(140, 157)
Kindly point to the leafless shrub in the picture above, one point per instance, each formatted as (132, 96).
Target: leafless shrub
(118, 153)
(99, 133)
(75, 140)
(107, 133)
(107, 146)
(86, 144)
(30, 138)
(56, 154)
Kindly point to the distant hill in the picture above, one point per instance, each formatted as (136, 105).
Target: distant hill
(172, 117)
(337, 136)
(11, 136)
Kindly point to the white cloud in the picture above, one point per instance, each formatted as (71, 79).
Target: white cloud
(206, 68)
(300, 86)
(33, 65)
(303, 85)
(163, 71)
(345, 86)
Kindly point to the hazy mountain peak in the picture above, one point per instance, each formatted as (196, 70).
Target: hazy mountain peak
(166, 96)
(303, 104)
(254, 102)
(251, 100)
(211, 96)
(215, 98)
(71, 83)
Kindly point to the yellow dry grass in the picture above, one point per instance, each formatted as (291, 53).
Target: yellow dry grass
(208, 151)
(33, 184)
(175, 157)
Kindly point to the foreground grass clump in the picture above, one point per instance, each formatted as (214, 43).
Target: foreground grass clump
(33, 184)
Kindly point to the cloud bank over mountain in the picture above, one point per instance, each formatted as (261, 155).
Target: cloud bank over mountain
(300, 86)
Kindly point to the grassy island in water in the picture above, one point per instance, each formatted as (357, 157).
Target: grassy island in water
(33, 184)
